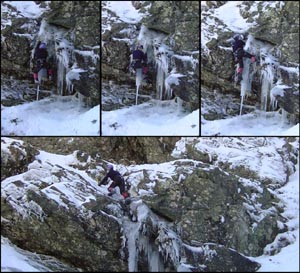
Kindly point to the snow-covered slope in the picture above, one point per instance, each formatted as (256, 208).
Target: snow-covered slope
(258, 123)
(54, 115)
(163, 118)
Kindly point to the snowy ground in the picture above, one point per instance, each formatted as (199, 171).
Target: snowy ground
(27, 9)
(258, 123)
(54, 115)
(156, 118)
(125, 11)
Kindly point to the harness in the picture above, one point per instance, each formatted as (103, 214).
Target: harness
(136, 63)
(237, 51)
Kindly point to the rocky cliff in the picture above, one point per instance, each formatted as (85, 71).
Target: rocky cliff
(271, 32)
(140, 150)
(206, 205)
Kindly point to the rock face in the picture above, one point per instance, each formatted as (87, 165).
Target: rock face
(177, 23)
(219, 257)
(275, 29)
(16, 41)
(279, 26)
(203, 204)
(16, 158)
(62, 232)
(69, 30)
(212, 210)
(180, 20)
(188, 87)
(119, 149)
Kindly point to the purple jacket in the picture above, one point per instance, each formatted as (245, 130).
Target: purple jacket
(140, 55)
(112, 174)
(238, 44)
(40, 53)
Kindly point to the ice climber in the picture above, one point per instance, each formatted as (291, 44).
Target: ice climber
(118, 181)
(40, 61)
(139, 59)
(239, 53)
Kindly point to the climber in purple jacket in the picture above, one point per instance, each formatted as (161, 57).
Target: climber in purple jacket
(239, 53)
(139, 59)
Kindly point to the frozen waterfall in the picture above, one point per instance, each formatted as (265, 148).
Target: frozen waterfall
(151, 243)
(158, 54)
(246, 83)
(59, 49)
(267, 81)
(161, 60)
(64, 50)
(248, 72)
(268, 72)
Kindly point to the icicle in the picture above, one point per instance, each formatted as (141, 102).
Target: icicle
(37, 92)
(137, 94)
(162, 71)
(268, 73)
(138, 81)
(241, 107)
(159, 80)
(273, 103)
(248, 72)
(246, 83)
(266, 85)
(161, 60)
(283, 116)
(60, 77)
(168, 81)
(64, 57)
(247, 80)
(70, 86)
(179, 104)
(264, 90)
(244, 86)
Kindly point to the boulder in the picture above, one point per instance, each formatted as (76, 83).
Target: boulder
(59, 232)
(15, 157)
(208, 208)
(217, 258)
